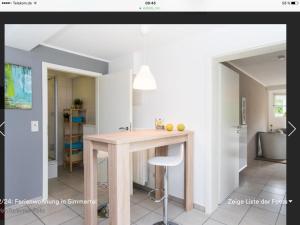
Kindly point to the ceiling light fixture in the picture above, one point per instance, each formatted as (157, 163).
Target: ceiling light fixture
(144, 80)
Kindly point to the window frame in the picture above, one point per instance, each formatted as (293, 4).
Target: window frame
(283, 106)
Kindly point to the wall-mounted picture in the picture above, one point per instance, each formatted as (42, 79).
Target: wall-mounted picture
(18, 89)
(244, 110)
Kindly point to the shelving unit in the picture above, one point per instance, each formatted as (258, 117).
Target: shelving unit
(73, 137)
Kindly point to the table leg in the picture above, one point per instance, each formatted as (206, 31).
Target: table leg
(188, 178)
(119, 181)
(90, 183)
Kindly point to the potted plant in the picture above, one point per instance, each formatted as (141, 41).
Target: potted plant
(66, 116)
(78, 103)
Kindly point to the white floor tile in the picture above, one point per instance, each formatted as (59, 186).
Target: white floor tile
(15, 211)
(238, 203)
(149, 219)
(47, 209)
(173, 211)
(149, 204)
(59, 217)
(281, 220)
(21, 219)
(254, 179)
(137, 212)
(260, 180)
(283, 209)
(228, 217)
(212, 222)
(78, 208)
(193, 217)
(274, 190)
(75, 221)
(66, 193)
(270, 201)
(257, 216)
(252, 189)
(37, 222)
(138, 196)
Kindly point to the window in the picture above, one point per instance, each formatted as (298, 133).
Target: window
(279, 105)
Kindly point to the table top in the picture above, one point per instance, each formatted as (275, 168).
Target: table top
(124, 137)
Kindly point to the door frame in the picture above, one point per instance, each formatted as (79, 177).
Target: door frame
(213, 156)
(45, 67)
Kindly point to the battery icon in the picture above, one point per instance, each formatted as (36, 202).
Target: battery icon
(293, 3)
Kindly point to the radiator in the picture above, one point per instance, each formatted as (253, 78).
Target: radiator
(101, 157)
(102, 171)
(141, 169)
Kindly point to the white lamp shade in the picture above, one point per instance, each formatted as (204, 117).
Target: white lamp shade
(144, 80)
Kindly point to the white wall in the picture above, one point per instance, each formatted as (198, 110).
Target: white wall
(277, 122)
(183, 74)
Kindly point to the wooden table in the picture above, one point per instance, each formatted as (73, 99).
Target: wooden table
(119, 145)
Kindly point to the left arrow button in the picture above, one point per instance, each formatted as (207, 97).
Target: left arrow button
(2, 129)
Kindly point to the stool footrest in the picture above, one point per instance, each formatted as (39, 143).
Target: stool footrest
(154, 199)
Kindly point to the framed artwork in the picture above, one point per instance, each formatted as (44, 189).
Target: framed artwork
(244, 110)
(18, 87)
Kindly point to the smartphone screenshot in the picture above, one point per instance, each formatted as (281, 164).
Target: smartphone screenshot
(149, 112)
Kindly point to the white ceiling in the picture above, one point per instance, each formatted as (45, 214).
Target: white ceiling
(266, 69)
(97, 41)
(26, 37)
(107, 42)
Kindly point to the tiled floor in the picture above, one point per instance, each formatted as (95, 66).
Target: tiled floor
(260, 181)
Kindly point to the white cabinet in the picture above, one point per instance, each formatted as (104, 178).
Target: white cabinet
(243, 147)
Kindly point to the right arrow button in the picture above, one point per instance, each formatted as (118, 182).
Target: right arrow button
(294, 128)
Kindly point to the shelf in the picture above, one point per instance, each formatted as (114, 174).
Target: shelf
(78, 123)
(73, 149)
(75, 110)
(73, 135)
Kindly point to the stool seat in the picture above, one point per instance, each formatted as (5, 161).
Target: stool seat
(165, 161)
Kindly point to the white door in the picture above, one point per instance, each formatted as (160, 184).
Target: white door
(115, 111)
(114, 102)
(229, 155)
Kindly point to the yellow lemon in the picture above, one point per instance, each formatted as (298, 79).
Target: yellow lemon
(169, 127)
(180, 127)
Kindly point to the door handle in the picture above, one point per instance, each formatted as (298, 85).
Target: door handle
(238, 129)
(124, 128)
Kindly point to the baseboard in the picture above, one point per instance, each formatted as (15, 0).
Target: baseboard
(282, 161)
(199, 207)
(244, 167)
(141, 187)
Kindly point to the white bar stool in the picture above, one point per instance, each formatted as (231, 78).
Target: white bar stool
(166, 161)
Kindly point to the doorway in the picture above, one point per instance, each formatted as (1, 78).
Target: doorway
(216, 181)
(113, 94)
(53, 115)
